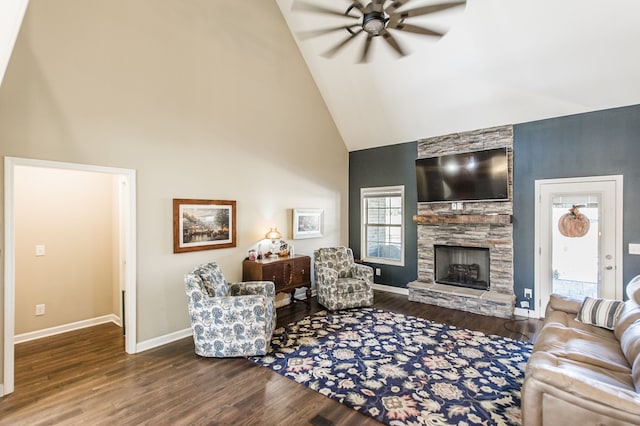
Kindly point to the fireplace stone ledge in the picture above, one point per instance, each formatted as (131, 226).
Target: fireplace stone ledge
(464, 299)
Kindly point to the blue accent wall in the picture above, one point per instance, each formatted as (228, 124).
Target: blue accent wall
(597, 143)
(386, 166)
(591, 144)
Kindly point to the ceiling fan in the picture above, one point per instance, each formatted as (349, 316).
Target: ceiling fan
(376, 19)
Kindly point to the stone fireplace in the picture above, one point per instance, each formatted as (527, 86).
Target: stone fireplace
(479, 226)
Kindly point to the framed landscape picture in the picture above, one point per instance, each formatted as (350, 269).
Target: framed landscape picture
(203, 224)
(307, 223)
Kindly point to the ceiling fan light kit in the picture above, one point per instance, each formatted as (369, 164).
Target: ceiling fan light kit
(377, 18)
(374, 22)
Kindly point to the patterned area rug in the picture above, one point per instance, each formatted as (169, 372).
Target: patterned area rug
(403, 370)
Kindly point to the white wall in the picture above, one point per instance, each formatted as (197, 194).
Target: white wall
(199, 104)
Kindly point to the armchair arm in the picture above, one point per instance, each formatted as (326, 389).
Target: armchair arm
(362, 272)
(326, 276)
(263, 288)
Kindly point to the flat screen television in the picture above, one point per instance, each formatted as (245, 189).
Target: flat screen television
(469, 176)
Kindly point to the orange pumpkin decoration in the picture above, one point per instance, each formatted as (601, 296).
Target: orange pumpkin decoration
(573, 224)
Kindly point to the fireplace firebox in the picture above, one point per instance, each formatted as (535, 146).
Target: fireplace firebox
(462, 266)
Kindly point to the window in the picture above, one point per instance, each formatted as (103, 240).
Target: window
(382, 231)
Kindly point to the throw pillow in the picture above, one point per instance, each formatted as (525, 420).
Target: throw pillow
(600, 312)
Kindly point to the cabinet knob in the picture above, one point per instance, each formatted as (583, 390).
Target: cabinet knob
(303, 272)
(273, 279)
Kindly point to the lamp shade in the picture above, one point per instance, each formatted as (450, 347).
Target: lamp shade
(273, 234)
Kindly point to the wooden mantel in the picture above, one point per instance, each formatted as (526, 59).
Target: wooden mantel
(493, 219)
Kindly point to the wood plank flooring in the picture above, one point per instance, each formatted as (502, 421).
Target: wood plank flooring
(85, 377)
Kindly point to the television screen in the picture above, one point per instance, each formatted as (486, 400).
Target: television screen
(469, 176)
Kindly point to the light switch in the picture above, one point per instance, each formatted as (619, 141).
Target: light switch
(634, 248)
(40, 250)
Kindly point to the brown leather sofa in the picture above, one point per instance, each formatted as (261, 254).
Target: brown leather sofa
(580, 374)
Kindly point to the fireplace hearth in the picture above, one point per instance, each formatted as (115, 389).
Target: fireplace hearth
(462, 266)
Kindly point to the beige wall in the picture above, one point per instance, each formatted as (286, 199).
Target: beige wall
(204, 99)
(71, 214)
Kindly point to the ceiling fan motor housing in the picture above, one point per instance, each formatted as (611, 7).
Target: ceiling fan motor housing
(374, 22)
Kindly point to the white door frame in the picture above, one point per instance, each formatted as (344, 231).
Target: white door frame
(128, 213)
(618, 180)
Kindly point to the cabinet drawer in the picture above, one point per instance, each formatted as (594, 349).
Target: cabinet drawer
(273, 273)
(297, 272)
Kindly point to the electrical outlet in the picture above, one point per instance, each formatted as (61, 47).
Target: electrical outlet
(40, 310)
(378, 272)
(524, 304)
(40, 250)
(527, 293)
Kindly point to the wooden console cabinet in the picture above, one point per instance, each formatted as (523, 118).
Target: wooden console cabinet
(287, 273)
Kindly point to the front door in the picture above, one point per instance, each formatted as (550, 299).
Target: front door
(578, 238)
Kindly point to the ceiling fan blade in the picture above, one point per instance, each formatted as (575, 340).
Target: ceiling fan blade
(365, 50)
(306, 35)
(377, 5)
(391, 41)
(358, 5)
(415, 29)
(308, 7)
(395, 5)
(425, 10)
(335, 49)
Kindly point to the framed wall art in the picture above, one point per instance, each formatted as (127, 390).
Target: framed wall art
(203, 224)
(307, 223)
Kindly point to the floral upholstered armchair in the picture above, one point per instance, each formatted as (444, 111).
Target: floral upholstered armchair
(341, 283)
(229, 319)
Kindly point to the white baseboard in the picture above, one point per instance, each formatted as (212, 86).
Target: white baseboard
(52, 331)
(187, 332)
(391, 289)
(163, 340)
(521, 312)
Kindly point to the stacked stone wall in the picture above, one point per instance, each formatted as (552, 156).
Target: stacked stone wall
(499, 300)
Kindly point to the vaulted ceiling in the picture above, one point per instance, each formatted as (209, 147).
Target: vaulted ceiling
(500, 62)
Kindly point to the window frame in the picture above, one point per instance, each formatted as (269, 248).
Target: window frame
(377, 192)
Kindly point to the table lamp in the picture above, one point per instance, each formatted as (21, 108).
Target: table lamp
(274, 235)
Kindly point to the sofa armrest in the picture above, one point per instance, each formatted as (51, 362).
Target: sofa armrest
(264, 288)
(573, 381)
(566, 304)
(362, 272)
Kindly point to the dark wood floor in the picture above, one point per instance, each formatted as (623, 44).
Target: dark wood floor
(85, 377)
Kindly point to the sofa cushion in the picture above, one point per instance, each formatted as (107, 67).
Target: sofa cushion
(559, 318)
(631, 310)
(592, 349)
(630, 343)
(351, 285)
(600, 312)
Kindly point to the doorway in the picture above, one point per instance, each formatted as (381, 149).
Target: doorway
(126, 236)
(578, 238)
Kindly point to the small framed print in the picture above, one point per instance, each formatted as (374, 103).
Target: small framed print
(203, 224)
(307, 223)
